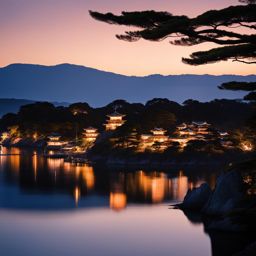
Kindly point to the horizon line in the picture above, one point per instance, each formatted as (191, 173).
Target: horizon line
(113, 72)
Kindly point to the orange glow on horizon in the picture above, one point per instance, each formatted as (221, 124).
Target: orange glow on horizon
(74, 37)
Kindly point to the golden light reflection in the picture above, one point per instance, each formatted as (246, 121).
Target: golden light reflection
(15, 159)
(89, 177)
(35, 164)
(3, 158)
(182, 186)
(117, 201)
(54, 163)
(157, 186)
(77, 194)
(87, 174)
(153, 186)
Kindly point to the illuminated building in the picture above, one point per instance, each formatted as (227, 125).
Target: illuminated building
(193, 131)
(223, 134)
(115, 120)
(181, 140)
(159, 135)
(201, 127)
(187, 132)
(90, 134)
(182, 126)
(54, 141)
(246, 146)
(195, 128)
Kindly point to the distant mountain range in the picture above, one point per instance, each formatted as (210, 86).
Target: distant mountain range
(13, 105)
(72, 83)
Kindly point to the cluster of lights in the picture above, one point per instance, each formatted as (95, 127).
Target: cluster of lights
(246, 146)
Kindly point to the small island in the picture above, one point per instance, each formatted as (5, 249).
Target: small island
(159, 132)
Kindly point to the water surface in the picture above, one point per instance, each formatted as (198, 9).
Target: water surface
(49, 207)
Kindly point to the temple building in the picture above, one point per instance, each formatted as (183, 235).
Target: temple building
(149, 140)
(192, 131)
(201, 127)
(194, 128)
(181, 126)
(114, 121)
(159, 135)
(90, 134)
(54, 141)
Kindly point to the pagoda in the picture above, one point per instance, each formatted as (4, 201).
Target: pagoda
(54, 141)
(114, 121)
(90, 134)
(159, 135)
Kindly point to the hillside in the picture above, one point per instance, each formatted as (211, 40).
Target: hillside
(72, 83)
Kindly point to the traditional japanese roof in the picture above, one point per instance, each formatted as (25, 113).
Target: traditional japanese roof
(200, 123)
(159, 129)
(146, 135)
(182, 125)
(90, 128)
(187, 130)
(223, 133)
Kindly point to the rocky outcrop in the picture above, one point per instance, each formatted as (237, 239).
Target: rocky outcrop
(196, 198)
(226, 207)
(227, 194)
(225, 197)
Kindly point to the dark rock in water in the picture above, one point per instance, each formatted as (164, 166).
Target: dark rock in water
(227, 194)
(196, 198)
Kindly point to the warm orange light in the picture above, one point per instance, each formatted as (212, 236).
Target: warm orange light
(117, 201)
(35, 136)
(77, 195)
(88, 176)
(5, 135)
(246, 146)
(115, 120)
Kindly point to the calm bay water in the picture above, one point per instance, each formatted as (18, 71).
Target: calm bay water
(49, 207)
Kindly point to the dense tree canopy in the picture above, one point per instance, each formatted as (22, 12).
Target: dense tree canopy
(222, 27)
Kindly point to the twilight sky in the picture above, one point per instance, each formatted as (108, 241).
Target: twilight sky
(50, 32)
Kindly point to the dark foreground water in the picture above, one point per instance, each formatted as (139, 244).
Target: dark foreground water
(48, 207)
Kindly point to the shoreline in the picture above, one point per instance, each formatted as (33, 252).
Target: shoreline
(157, 161)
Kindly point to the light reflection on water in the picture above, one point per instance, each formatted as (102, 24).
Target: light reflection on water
(33, 173)
(85, 210)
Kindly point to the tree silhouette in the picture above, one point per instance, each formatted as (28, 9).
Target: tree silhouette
(241, 86)
(222, 27)
(216, 26)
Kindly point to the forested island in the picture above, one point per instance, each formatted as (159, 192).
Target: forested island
(159, 130)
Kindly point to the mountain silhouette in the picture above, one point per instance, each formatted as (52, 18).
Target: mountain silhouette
(73, 83)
